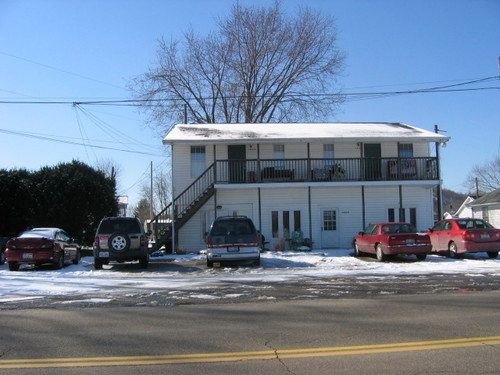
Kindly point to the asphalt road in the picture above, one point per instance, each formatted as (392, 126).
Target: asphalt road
(444, 333)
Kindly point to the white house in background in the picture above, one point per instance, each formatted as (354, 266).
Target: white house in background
(463, 211)
(487, 207)
(328, 180)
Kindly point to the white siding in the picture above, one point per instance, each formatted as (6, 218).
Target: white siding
(346, 201)
(494, 216)
(348, 204)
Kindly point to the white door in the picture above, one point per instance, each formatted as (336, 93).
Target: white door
(329, 228)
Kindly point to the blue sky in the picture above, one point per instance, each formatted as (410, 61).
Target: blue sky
(71, 51)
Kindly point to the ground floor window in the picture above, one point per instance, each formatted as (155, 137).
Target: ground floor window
(404, 214)
(329, 220)
(285, 222)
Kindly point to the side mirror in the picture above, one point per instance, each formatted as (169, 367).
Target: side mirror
(361, 233)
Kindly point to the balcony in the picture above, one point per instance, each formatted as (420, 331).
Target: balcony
(324, 170)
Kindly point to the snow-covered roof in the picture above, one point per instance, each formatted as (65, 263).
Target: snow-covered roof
(492, 198)
(300, 132)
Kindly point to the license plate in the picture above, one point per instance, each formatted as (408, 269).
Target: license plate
(233, 249)
(28, 256)
(485, 235)
(410, 242)
(103, 254)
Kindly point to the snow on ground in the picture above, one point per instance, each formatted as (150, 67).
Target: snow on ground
(177, 272)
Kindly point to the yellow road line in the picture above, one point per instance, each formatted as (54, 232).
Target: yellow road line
(247, 356)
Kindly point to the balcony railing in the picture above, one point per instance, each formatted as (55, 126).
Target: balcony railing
(347, 169)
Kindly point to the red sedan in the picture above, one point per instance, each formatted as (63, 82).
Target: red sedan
(459, 236)
(383, 239)
(41, 246)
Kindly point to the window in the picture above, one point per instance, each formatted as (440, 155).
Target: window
(279, 153)
(329, 220)
(289, 219)
(405, 150)
(328, 153)
(403, 213)
(274, 223)
(198, 158)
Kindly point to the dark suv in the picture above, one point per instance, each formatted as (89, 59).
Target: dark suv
(121, 239)
(233, 238)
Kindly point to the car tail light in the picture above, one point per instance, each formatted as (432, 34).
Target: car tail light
(47, 245)
(256, 241)
(424, 239)
(393, 241)
(143, 240)
(96, 241)
(467, 236)
(210, 242)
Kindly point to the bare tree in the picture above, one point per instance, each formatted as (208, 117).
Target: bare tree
(484, 178)
(142, 210)
(108, 167)
(162, 193)
(260, 66)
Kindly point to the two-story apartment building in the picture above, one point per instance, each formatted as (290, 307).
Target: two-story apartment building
(328, 180)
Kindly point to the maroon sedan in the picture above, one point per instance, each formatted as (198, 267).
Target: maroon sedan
(469, 235)
(40, 246)
(383, 239)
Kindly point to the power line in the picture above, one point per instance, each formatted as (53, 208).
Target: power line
(47, 138)
(61, 70)
(347, 95)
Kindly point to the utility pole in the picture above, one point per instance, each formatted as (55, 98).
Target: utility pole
(151, 195)
(439, 190)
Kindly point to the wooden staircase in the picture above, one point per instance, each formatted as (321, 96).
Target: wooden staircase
(183, 208)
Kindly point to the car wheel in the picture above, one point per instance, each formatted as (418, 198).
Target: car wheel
(97, 264)
(119, 242)
(452, 250)
(143, 262)
(380, 254)
(421, 256)
(210, 264)
(13, 266)
(492, 254)
(60, 262)
(256, 262)
(77, 257)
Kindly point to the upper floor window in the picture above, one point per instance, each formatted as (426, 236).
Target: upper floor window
(279, 153)
(405, 150)
(198, 159)
(328, 153)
